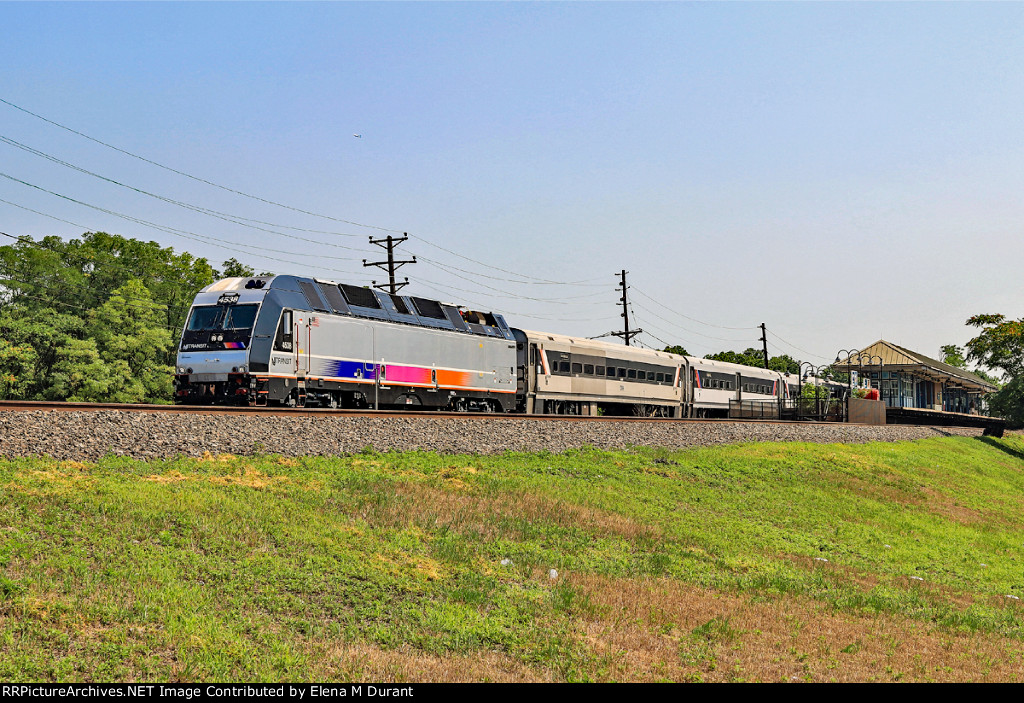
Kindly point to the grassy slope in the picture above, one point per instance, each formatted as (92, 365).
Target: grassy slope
(749, 562)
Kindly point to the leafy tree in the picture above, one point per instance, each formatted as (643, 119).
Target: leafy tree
(93, 316)
(1000, 347)
(40, 334)
(79, 275)
(16, 370)
(676, 349)
(131, 340)
(954, 356)
(80, 375)
(755, 357)
(235, 269)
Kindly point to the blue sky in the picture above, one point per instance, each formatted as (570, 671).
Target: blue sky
(841, 172)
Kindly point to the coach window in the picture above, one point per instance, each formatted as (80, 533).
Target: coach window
(610, 371)
(650, 375)
(577, 368)
(563, 366)
(600, 371)
(588, 369)
(622, 372)
(631, 373)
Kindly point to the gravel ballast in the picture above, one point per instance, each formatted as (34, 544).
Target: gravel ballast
(80, 435)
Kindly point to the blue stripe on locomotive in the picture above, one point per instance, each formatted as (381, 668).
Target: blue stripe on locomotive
(336, 368)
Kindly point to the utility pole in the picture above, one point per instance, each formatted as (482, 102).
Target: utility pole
(389, 243)
(764, 343)
(627, 333)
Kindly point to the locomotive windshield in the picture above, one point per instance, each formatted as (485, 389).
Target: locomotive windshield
(219, 327)
(222, 317)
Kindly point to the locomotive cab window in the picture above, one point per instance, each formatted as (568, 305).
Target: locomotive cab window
(240, 317)
(204, 318)
(283, 340)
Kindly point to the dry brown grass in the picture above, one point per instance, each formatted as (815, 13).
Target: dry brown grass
(489, 516)
(365, 662)
(646, 632)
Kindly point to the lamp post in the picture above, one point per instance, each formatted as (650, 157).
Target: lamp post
(871, 362)
(801, 375)
(849, 375)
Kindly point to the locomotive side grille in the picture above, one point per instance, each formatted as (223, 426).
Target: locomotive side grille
(428, 308)
(400, 304)
(363, 297)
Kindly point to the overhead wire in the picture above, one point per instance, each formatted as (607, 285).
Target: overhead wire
(556, 301)
(790, 344)
(226, 217)
(689, 331)
(186, 234)
(268, 201)
(190, 176)
(691, 319)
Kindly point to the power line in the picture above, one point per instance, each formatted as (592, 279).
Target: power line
(689, 331)
(273, 202)
(816, 356)
(186, 234)
(189, 176)
(691, 319)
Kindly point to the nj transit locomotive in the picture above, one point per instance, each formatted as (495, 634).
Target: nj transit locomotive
(294, 341)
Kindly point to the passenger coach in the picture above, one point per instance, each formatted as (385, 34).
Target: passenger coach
(294, 341)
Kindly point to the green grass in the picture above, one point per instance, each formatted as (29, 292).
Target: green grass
(257, 568)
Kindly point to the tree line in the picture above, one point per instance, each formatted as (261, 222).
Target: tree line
(96, 318)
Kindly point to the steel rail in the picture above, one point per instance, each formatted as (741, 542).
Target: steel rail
(60, 406)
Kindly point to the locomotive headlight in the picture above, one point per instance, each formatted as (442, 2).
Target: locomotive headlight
(181, 369)
(243, 369)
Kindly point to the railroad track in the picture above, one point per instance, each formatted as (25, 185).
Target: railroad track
(39, 405)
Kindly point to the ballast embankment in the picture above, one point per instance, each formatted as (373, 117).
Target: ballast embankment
(91, 435)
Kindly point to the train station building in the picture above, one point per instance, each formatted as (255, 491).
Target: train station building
(908, 379)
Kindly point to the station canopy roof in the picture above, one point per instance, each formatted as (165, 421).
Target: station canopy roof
(897, 358)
